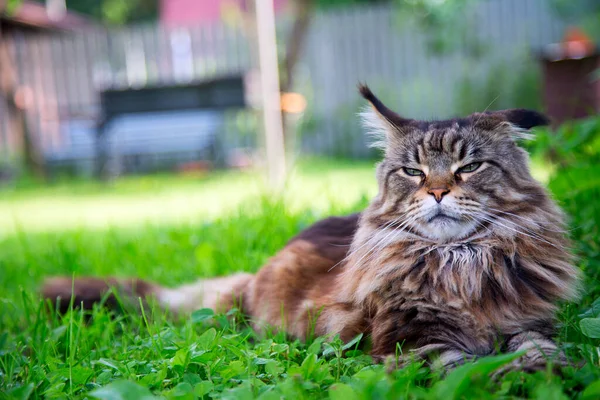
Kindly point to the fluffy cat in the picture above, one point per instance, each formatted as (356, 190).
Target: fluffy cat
(461, 253)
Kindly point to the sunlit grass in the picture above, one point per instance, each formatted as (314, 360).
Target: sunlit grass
(164, 199)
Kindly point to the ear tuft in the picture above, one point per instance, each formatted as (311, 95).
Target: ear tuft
(381, 122)
(375, 127)
(366, 93)
(391, 117)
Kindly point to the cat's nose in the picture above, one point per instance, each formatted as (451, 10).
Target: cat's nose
(438, 193)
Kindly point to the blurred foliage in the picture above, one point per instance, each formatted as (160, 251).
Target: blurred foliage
(446, 23)
(574, 148)
(583, 13)
(10, 6)
(118, 12)
(505, 86)
(573, 144)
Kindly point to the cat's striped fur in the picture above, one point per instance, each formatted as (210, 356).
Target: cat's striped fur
(461, 254)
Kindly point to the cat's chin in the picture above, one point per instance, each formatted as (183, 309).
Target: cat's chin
(445, 229)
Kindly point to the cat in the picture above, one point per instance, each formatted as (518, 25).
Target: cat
(460, 254)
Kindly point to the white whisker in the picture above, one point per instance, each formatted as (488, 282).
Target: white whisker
(493, 219)
(353, 251)
(371, 252)
(528, 220)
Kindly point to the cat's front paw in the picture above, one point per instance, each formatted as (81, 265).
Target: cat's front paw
(539, 354)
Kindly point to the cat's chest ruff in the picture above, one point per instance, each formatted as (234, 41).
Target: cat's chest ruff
(453, 275)
(445, 282)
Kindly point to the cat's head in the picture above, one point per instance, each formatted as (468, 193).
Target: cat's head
(450, 180)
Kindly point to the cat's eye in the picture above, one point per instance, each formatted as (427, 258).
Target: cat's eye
(469, 167)
(413, 172)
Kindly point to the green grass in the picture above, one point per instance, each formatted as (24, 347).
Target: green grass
(176, 229)
(168, 199)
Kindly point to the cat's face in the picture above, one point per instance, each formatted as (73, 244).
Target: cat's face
(450, 180)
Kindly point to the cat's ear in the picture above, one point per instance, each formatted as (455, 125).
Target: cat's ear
(381, 122)
(522, 118)
(519, 118)
(516, 121)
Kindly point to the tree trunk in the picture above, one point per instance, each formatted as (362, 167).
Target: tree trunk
(303, 10)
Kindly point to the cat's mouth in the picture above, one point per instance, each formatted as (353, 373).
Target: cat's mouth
(442, 217)
(445, 225)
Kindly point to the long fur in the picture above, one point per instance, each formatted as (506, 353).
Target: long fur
(374, 128)
(452, 278)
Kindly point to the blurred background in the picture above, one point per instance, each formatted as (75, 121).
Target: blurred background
(180, 101)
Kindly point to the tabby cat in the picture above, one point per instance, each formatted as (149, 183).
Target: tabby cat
(461, 253)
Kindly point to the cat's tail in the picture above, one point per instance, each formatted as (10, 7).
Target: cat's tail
(218, 293)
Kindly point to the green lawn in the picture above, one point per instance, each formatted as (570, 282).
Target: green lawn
(314, 184)
(174, 229)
